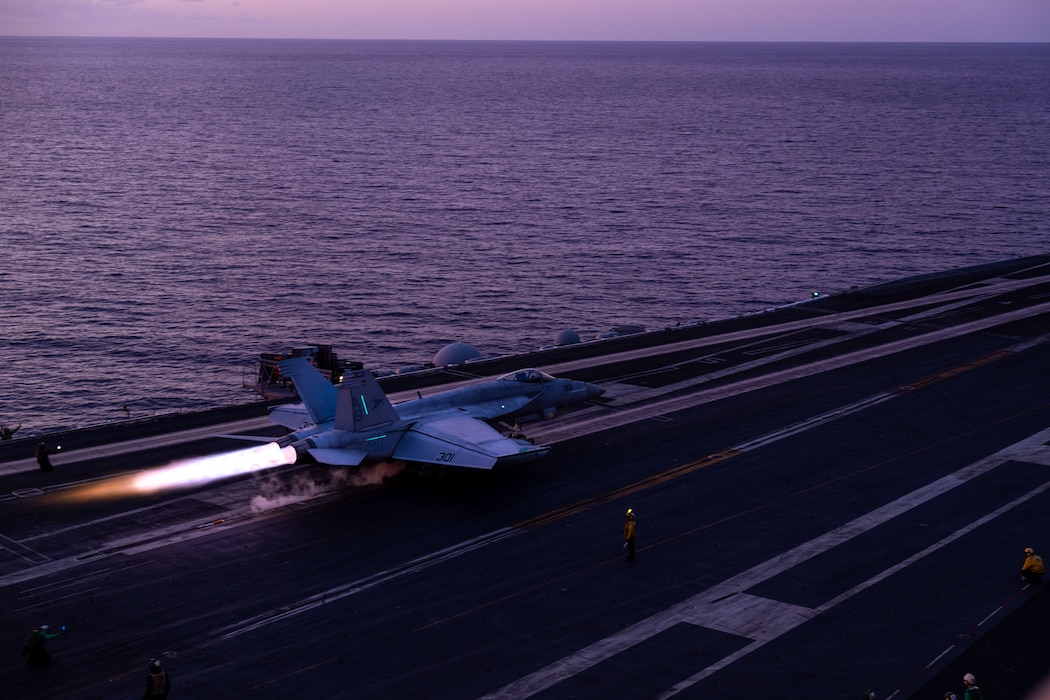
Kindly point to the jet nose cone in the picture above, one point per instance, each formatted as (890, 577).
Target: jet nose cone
(593, 390)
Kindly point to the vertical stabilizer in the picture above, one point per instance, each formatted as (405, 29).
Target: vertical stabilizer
(362, 404)
(318, 394)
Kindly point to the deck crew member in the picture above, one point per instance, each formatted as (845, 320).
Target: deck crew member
(157, 682)
(42, 457)
(628, 534)
(972, 692)
(1033, 567)
(35, 649)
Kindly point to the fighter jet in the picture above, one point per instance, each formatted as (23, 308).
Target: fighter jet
(354, 422)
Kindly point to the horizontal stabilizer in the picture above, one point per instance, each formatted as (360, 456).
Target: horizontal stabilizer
(461, 441)
(337, 457)
(292, 416)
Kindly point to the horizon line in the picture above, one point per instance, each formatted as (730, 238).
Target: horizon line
(522, 41)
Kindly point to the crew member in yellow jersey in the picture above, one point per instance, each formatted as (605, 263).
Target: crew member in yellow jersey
(1033, 567)
(628, 534)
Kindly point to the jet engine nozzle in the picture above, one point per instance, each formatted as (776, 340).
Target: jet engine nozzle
(325, 440)
(330, 439)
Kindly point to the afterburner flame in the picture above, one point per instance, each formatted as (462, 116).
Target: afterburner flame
(186, 473)
(195, 472)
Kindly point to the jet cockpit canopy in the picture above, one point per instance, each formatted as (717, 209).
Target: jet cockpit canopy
(527, 376)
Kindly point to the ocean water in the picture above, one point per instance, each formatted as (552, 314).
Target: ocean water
(171, 208)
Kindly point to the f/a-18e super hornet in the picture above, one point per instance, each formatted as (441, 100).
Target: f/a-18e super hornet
(354, 422)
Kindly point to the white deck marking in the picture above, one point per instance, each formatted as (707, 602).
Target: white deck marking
(26, 554)
(745, 615)
(710, 604)
(354, 587)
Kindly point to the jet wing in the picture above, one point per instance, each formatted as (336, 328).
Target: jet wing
(497, 408)
(489, 409)
(462, 441)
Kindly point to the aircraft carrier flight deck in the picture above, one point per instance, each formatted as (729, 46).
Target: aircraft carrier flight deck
(831, 497)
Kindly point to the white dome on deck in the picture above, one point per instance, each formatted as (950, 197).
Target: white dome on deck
(567, 337)
(455, 354)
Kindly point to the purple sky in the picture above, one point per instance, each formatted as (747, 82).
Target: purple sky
(661, 20)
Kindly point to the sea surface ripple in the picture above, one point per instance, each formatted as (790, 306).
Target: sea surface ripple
(172, 208)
